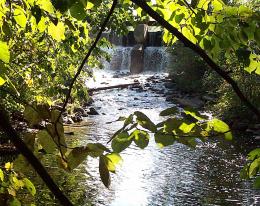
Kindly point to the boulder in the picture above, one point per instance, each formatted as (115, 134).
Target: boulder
(189, 102)
(77, 117)
(78, 110)
(137, 59)
(140, 33)
(92, 111)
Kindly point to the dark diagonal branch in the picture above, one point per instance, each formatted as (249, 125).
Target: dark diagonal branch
(199, 51)
(80, 68)
(103, 26)
(28, 154)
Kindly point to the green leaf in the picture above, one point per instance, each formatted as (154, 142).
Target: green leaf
(220, 126)
(2, 81)
(89, 5)
(111, 160)
(144, 121)
(31, 115)
(244, 172)
(46, 141)
(77, 156)
(29, 140)
(60, 138)
(4, 52)
(217, 4)
(103, 171)
(171, 124)
(186, 128)
(14, 202)
(141, 138)
(29, 185)
(57, 32)
(244, 11)
(1, 175)
(163, 140)
(121, 142)
(206, 44)
(169, 111)
(77, 11)
(20, 17)
(254, 154)
(178, 18)
(254, 167)
(45, 5)
(257, 183)
(96, 149)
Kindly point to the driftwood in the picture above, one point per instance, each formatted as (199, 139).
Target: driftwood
(121, 86)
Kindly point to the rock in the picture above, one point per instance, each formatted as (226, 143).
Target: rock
(135, 98)
(68, 120)
(169, 85)
(69, 133)
(140, 33)
(77, 117)
(137, 59)
(169, 98)
(257, 137)
(189, 102)
(78, 110)
(92, 111)
(88, 102)
(84, 114)
(208, 98)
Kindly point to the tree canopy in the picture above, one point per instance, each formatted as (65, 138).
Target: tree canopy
(47, 49)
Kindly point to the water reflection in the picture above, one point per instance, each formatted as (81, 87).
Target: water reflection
(175, 175)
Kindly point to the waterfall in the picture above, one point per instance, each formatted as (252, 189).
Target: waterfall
(155, 59)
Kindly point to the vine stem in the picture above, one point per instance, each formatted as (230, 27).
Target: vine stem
(142, 4)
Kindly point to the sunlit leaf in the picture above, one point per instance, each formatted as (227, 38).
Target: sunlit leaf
(2, 81)
(1, 175)
(20, 17)
(222, 127)
(29, 185)
(4, 52)
(186, 128)
(141, 138)
(121, 142)
(57, 32)
(254, 154)
(46, 5)
(254, 167)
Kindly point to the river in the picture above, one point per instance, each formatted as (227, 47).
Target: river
(173, 176)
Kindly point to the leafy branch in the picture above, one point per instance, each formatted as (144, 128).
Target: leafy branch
(199, 51)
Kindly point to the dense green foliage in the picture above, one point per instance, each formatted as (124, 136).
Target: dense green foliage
(42, 43)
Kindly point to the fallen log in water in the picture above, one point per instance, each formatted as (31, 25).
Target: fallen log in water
(120, 86)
